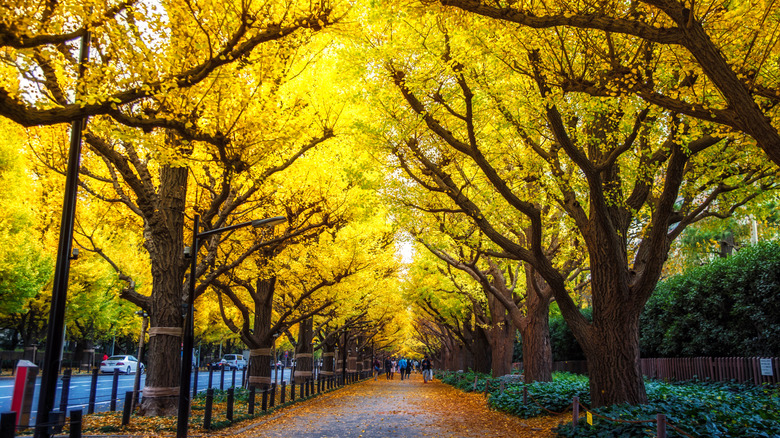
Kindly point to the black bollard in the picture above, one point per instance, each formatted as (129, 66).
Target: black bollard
(303, 388)
(195, 382)
(265, 400)
(208, 408)
(65, 390)
(127, 408)
(93, 392)
(233, 384)
(211, 375)
(284, 391)
(114, 388)
(7, 424)
(250, 409)
(273, 396)
(306, 385)
(56, 421)
(222, 379)
(230, 403)
(292, 390)
(243, 376)
(75, 423)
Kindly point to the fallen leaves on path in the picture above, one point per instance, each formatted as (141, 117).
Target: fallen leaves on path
(401, 408)
(382, 408)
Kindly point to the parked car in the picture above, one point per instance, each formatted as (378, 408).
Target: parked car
(124, 363)
(230, 362)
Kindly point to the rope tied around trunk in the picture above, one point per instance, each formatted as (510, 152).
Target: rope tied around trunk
(168, 331)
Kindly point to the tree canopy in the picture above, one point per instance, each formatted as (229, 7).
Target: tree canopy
(532, 152)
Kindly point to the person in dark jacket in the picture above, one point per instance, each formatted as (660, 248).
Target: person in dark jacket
(427, 370)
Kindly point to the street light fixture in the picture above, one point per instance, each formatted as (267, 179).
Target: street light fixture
(52, 359)
(189, 323)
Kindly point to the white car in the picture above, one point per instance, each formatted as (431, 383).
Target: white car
(233, 362)
(124, 363)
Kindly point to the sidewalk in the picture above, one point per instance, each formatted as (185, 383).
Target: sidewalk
(395, 408)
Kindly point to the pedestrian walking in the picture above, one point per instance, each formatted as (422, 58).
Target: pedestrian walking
(388, 368)
(402, 367)
(425, 365)
(377, 368)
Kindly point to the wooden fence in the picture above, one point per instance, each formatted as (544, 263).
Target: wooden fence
(720, 369)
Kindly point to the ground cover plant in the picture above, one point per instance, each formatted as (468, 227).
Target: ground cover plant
(698, 408)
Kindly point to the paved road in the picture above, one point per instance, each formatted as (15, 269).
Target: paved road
(396, 408)
(78, 397)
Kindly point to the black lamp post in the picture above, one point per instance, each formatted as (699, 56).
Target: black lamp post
(189, 323)
(56, 328)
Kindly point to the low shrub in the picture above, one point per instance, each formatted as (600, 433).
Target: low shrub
(699, 409)
(543, 397)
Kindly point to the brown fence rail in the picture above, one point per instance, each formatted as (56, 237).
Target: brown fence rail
(757, 370)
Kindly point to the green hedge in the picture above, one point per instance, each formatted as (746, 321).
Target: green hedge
(730, 307)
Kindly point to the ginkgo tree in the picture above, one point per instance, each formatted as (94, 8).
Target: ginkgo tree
(25, 267)
(180, 92)
(707, 60)
(628, 177)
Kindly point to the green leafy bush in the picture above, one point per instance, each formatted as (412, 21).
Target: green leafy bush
(730, 307)
(555, 396)
(699, 409)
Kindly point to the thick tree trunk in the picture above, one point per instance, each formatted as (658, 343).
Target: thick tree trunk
(352, 358)
(259, 341)
(613, 362)
(328, 359)
(537, 349)
(502, 344)
(84, 353)
(464, 358)
(259, 371)
(480, 348)
(164, 241)
(303, 351)
(611, 342)
(535, 330)
(451, 356)
(502, 333)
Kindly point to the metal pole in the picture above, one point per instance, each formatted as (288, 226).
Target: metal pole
(137, 379)
(187, 341)
(51, 359)
(344, 357)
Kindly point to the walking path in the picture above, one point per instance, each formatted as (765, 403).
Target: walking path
(395, 408)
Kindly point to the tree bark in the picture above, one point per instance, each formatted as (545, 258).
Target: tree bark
(303, 351)
(481, 349)
(502, 332)
(613, 361)
(259, 341)
(329, 359)
(164, 241)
